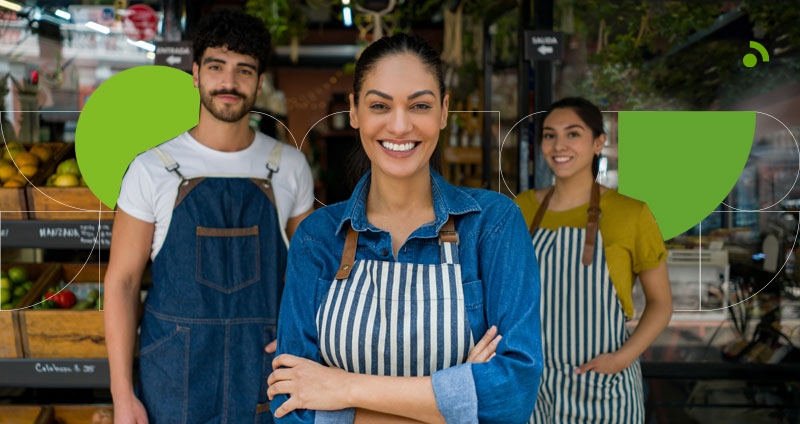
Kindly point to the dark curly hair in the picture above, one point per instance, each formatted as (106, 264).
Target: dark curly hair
(236, 30)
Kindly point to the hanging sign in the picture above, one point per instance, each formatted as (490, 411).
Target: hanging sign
(544, 45)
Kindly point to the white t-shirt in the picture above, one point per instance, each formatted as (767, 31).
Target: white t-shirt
(149, 191)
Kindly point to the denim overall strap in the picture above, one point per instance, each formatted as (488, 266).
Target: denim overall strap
(581, 318)
(213, 305)
(393, 318)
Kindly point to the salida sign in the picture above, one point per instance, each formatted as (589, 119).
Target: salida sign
(544, 45)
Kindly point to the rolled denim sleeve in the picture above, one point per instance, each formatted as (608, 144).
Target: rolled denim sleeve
(507, 385)
(297, 332)
(454, 389)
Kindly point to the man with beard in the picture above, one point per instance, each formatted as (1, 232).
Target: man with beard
(214, 209)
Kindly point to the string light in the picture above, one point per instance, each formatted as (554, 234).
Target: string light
(309, 100)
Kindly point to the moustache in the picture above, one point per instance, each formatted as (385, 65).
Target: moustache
(227, 93)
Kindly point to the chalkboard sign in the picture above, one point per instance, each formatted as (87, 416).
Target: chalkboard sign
(56, 234)
(90, 372)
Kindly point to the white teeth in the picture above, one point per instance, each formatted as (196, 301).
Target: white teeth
(560, 159)
(397, 147)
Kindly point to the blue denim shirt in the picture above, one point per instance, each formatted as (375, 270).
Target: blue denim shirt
(496, 256)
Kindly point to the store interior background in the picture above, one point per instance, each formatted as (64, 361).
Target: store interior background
(729, 354)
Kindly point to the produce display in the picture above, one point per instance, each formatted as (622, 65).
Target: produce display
(19, 164)
(67, 174)
(76, 296)
(14, 284)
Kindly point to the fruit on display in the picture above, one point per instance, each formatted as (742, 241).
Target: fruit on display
(63, 299)
(14, 284)
(67, 175)
(66, 298)
(19, 164)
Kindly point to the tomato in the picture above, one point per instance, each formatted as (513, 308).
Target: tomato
(64, 299)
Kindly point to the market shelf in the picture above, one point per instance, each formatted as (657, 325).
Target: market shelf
(55, 234)
(54, 373)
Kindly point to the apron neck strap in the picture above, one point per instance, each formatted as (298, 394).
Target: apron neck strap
(591, 225)
(169, 163)
(274, 161)
(593, 213)
(447, 237)
(448, 232)
(540, 212)
(348, 254)
(448, 242)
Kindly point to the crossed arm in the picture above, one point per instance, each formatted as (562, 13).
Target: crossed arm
(377, 399)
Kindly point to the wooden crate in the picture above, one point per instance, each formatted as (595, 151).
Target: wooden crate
(10, 343)
(20, 414)
(65, 203)
(65, 333)
(14, 201)
(10, 336)
(79, 414)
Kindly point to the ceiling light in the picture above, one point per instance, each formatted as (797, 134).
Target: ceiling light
(347, 16)
(97, 27)
(63, 14)
(10, 5)
(143, 45)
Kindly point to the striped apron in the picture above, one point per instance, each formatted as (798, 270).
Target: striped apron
(581, 318)
(393, 318)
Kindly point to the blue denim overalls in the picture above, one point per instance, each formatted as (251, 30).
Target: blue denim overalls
(213, 306)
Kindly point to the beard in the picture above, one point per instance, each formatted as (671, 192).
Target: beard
(227, 112)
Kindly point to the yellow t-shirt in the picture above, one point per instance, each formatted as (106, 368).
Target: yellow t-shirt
(631, 238)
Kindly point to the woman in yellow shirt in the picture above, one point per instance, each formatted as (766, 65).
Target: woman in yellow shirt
(591, 243)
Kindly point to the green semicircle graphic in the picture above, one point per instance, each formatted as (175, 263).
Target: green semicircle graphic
(684, 163)
(132, 111)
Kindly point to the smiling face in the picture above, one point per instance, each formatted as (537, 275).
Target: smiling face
(568, 144)
(399, 115)
(228, 83)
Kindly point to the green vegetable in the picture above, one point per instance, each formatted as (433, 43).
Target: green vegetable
(45, 304)
(93, 295)
(83, 305)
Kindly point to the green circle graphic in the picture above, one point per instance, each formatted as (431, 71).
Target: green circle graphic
(131, 112)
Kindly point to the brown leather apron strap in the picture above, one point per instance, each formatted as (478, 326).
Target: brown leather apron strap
(448, 232)
(348, 254)
(591, 225)
(185, 187)
(540, 212)
(266, 187)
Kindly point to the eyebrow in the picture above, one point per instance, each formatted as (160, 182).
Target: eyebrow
(216, 60)
(410, 97)
(567, 128)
